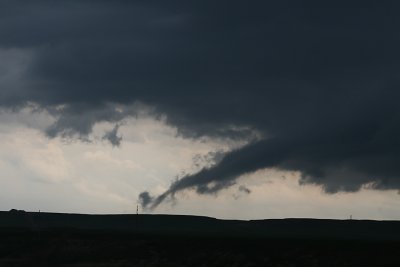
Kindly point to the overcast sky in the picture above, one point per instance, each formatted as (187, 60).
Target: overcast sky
(232, 110)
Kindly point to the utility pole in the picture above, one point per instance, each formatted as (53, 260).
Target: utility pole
(137, 209)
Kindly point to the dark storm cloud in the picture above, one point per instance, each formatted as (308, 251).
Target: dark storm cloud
(113, 137)
(77, 119)
(319, 82)
(145, 199)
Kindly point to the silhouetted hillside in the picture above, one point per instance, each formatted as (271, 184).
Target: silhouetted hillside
(198, 225)
(55, 239)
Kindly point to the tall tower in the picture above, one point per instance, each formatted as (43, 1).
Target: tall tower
(137, 209)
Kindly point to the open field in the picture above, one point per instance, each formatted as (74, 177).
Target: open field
(48, 239)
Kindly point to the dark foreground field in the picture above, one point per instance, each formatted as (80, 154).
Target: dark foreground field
(46, 239)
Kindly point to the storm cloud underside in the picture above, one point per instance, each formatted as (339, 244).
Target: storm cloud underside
(319, 82)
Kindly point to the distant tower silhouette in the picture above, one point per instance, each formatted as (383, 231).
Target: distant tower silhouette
(351, 217)
(137, 209)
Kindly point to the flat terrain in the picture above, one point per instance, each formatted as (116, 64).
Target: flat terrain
(51, 239)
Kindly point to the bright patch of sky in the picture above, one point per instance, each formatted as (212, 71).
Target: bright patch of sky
(65, 175)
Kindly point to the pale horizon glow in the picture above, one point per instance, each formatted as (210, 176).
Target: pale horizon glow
(75, 176)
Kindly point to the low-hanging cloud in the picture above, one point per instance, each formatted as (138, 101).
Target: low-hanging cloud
(113, 137)
(319, 82)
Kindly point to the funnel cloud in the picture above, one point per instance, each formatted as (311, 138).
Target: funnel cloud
(318, 81)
